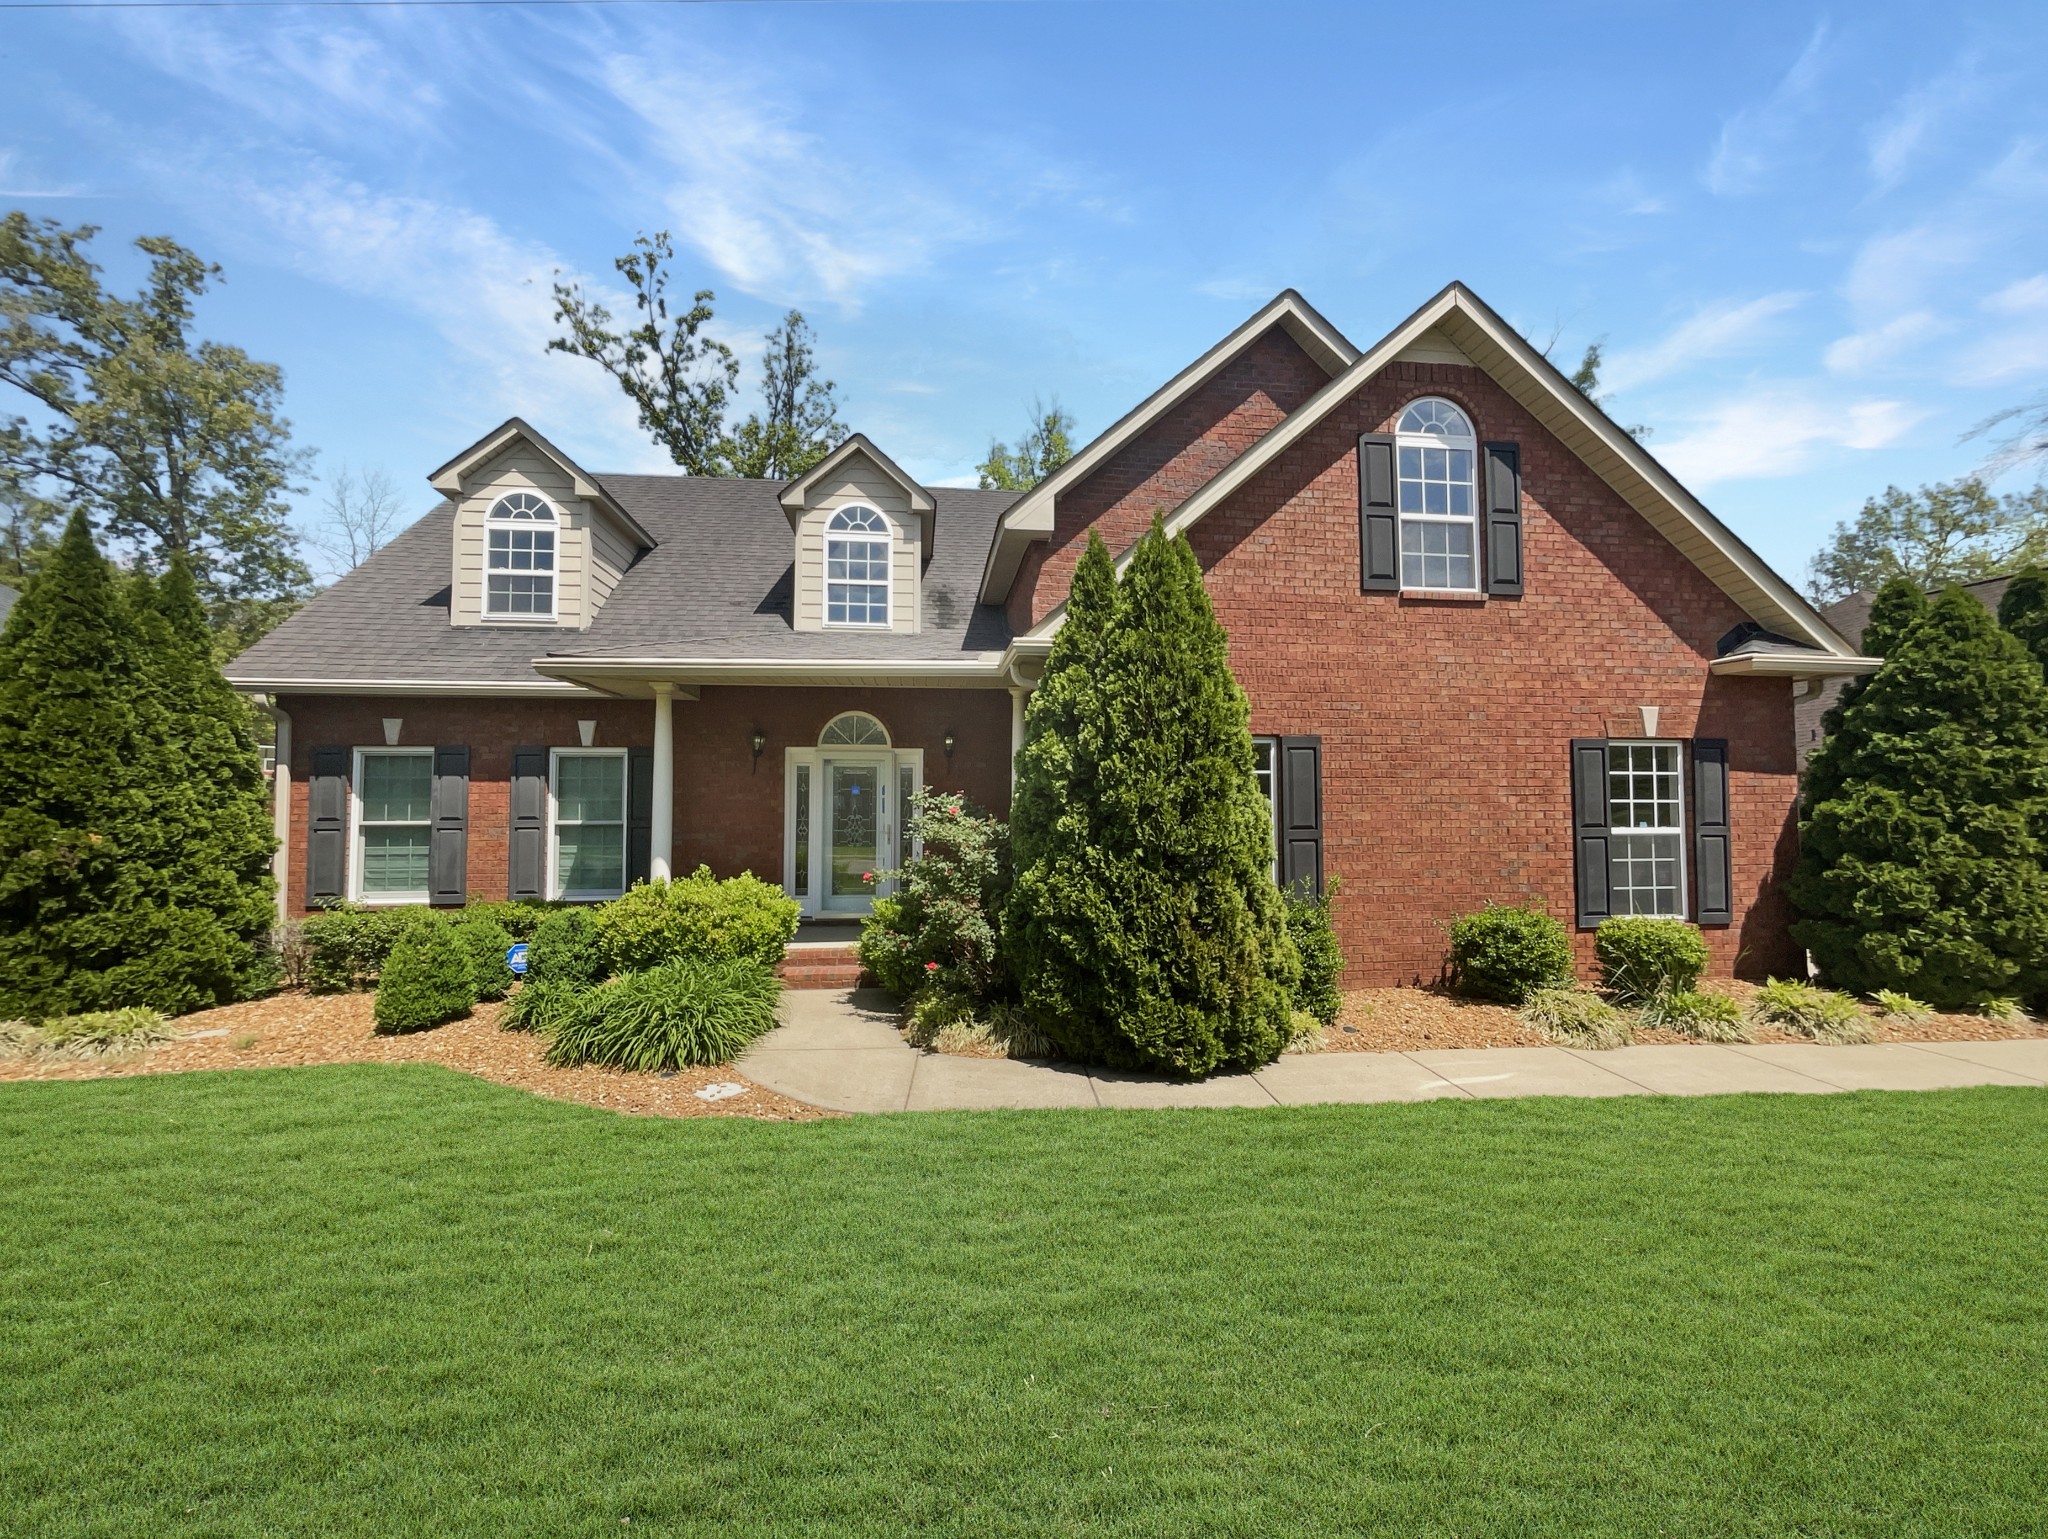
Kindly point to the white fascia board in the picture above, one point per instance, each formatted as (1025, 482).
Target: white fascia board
(538, 688)
(1790, 665)
(613, 674)
(1031, 516)
(1650, 489)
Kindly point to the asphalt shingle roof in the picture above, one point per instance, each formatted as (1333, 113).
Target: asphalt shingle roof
(718, 585)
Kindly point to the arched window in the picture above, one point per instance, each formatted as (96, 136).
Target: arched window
(519, 575)
(854, 729)
(857, 568)
(1435, 453)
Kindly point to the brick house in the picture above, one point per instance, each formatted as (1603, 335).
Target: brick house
(1494, 651)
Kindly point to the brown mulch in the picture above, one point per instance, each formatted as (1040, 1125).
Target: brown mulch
(1406, 1020)
(291, 1030)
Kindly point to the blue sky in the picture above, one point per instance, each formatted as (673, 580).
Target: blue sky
(1815, 242)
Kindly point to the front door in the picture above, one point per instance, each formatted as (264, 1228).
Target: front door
(856, 829)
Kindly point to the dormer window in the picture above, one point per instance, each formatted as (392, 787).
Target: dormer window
(519, 576)
(857, 568)
(1434, 454)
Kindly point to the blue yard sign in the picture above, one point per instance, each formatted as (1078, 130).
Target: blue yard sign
(516, 958)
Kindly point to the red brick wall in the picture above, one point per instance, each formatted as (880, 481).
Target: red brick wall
(1446, 725)
(728, 807)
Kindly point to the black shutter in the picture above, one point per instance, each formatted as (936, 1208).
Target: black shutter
(1504, 519)
(1589, 828)
(527, 834)
(448, 830)
(1711, 843)
(1379, 534)
(1300, 786)
(327, 824)
(639, 814)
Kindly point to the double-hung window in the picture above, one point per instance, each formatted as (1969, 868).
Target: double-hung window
(1435, 454)
(857, 568)
(1265, 770)
(394, 809)
(1646, 829)
(519, 576)
(589, 840)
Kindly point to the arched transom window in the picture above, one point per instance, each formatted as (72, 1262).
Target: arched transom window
(519, 575)
(854, 729)
(857, 568)
(1435, 454)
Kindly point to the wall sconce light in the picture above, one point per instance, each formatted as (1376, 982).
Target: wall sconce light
(949, 745)
(760, 741)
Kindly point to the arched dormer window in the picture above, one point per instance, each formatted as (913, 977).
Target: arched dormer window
(1435, 453)
(854, 729)
(519, 560)
(857, 544)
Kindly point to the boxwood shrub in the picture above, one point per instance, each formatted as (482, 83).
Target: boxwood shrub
(346, 945)
(566, 948)
(668, 1017)
(1641, 958)
(427, 979)
(485, 942)
(1322, 960)
(741, 919)
(1508, 953)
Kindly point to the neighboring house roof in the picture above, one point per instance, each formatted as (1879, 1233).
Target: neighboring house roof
(1461, 317)
(715, 588)
(1852, 614)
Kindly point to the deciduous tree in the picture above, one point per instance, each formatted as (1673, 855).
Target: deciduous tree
(1957, 531)
(1045, 446)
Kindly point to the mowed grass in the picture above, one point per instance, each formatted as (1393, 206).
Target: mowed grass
(378, 1300)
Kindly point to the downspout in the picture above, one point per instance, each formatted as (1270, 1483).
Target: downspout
(280, 803)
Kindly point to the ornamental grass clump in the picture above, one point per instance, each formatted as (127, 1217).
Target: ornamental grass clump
(1903, 1008)
(1641, 958)
(96, 1034)
(1576, 1017)
(1703, 1017)
(682, 1013)
(427, 979)
(1508, 953)
(1819, 1015)
(2004, 1009)
(541, 1006)
(487, 945)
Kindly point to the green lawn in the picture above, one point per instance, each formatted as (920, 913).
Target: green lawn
(391, 1300)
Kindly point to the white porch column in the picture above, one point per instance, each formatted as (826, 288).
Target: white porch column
(661, 829)
(281, 808)
(1017, 699)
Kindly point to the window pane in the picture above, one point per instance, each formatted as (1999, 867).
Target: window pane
(590, 788)
(1644, 874)
(803, 830)
(591, 858)
(904, 791)
(394, 861)
(397, 788)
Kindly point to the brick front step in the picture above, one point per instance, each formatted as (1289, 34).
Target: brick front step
(820, 967)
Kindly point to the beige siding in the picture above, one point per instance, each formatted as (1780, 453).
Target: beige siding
(1432, 347)
(858, 481)
(589, 555)
(611, 552)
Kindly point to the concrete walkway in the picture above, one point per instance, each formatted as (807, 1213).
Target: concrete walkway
(841, 1050)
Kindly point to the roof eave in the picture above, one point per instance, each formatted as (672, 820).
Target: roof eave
(1791, 665)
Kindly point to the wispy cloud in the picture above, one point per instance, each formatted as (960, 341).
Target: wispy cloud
(1779, 432)
(1894, 271)
(1757, 137)
(17, 181)
(1863, 352)
(2016, 345)
(1717, 331)
(1899, 137)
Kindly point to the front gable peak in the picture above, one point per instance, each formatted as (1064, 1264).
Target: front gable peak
(845, 462)
(453, 478)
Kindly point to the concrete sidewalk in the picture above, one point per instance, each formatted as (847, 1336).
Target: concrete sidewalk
(841, 1049)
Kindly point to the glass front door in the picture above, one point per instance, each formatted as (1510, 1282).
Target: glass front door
(856, 820)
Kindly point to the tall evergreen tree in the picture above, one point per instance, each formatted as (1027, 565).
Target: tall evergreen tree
(1899, 606)
(91, 808)
(1921, 857)
(2023, 610)
(1152, 935)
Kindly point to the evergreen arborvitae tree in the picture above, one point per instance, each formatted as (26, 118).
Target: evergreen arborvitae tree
(2024, 611)
(1920, 864)
(1147, 930)
(91, 807)
(1899, 606)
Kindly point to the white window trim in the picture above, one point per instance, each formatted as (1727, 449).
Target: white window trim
(595, 894)
(356, 828)
(558, 526)
(888, 541)
(1272, 746)
(1682, 831)
(1403, 519)
(892, 761)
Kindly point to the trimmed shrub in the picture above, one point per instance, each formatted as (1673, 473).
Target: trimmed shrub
(1903, 1008)
(697, 917)
(1576, 1017)
(1704, 1017)
(692, 1011)
(1507, 953)
(938, 930)
(346, 944)
(484, 941)
(540, 1006)
(1641, 958)
(521, 918)
(566, 948)
(1820, 1015)
(1322, 959)
(427, 979)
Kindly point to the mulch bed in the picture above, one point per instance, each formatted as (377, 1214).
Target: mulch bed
(292, 1029)
(1407, 1020)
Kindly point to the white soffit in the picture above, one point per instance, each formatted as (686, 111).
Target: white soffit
(1030, 517)
(1492, 345)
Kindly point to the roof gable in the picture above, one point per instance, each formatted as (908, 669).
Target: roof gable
(797, 496)
(448, 480)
